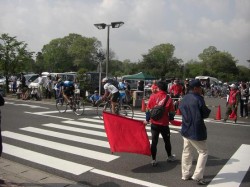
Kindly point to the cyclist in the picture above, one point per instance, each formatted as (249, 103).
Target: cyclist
(110, 92)
(67, 90)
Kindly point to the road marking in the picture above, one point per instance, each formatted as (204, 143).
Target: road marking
(61, 147)
(49, 161)
(31, 106)
(235, 169)
(91, 120)
(80, 139)
(79, 123)
(46, 112)
(124, 178)
(59, 117)
(74, 129)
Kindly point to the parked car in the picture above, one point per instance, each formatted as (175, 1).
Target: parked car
(2, 80)
(35, 84)
(29, 78)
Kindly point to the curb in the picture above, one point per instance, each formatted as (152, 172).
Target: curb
(13, 174)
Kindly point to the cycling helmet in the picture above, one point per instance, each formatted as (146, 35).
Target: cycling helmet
(105, 79)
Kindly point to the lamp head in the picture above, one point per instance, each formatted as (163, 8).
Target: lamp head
(100, 25)
(117, 24)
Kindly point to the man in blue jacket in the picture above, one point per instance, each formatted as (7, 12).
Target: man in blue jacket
(194, 132)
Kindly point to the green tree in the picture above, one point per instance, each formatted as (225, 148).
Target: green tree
(14, 57)
(244, 73)
(218, 64)
(71, 53)
(160, 61)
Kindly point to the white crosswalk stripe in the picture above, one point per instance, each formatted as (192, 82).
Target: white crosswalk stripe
(61, 147)
(67, 136)
(39, 158)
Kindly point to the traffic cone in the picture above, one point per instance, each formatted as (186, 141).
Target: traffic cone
(178, 112)
(218, 114)
(176, 123)
(143, 106)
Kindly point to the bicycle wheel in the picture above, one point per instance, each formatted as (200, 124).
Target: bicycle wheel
(78, 107)
(61, 105)
(102, 107)
(126, 110)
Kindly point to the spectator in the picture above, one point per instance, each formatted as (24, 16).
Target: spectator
(127, 86)
(194, 110)
(140, 85)
(14, 84)
(154, 87)
(1, 145)
(95, 98)
(176, 91)
(40, 86)
(244, 95)
(48, 87)
(23, 81)
(186, 86)
(232, 101)
(162, 125)
(170, 85)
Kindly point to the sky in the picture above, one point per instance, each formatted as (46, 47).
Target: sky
(190, 25)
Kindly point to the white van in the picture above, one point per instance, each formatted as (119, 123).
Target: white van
(212, 80)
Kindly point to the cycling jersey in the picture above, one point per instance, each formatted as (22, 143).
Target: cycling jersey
(110, 87)
(68, 87)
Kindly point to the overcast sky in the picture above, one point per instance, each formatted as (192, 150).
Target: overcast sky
(190, 25)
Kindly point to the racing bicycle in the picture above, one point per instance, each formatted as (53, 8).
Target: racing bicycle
(120, 109)
(76, 104)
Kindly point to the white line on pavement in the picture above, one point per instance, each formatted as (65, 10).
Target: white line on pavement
(92, 120)
(83, 124)
(59, 117)
(124, 178)
(31, 106)
(74, 129)
(61, 147)
(80, 139)
(52, 162)
(235, 169)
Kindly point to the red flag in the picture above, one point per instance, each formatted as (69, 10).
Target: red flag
(126, 134)
(176, 123)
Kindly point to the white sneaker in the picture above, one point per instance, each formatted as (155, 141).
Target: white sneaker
(154, 163)
(171, 158)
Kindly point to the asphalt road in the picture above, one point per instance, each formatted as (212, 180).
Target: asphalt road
(76, 148)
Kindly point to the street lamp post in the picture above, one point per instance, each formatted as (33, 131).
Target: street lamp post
(103, 26)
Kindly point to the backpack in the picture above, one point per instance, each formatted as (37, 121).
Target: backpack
(157, 112)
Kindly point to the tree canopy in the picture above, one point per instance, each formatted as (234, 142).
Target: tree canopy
(14, 56)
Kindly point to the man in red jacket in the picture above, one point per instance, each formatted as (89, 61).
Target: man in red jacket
(232, 101)
(161, 125)
(176, 91)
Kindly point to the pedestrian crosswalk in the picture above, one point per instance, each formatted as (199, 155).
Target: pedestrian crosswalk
(84, 137)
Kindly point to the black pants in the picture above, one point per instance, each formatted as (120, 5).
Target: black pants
(165, 132)
(243, 107)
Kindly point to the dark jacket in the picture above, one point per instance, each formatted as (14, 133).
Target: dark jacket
(194, 110)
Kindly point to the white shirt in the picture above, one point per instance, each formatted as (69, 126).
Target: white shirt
(40, 80)
(110, 87)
